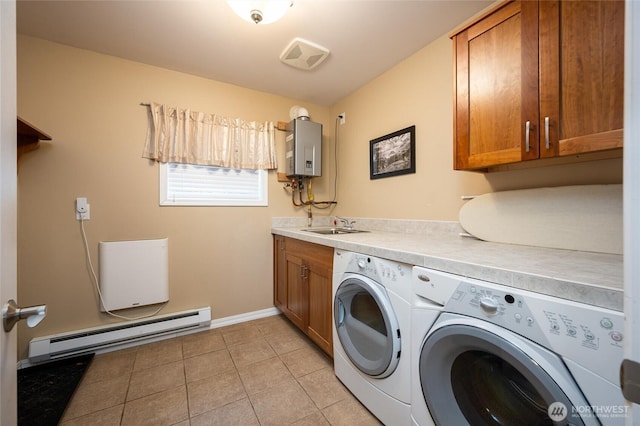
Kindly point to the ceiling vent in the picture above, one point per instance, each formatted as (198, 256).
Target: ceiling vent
(304, 54)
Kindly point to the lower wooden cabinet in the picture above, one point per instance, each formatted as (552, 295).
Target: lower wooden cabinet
(302, 287)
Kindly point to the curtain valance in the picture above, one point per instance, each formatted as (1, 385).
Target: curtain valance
(179, 135)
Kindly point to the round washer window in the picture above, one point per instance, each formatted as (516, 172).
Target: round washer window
(471, 376)
(500, 394)
(367, 326)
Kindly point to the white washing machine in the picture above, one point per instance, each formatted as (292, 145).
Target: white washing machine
(485, 354)
(371, 333)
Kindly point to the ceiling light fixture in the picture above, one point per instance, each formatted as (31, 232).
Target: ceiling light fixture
(260, 11)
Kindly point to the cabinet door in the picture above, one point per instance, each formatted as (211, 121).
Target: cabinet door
(303, 275)
(496, 102)
(319, 281)
(279, 272)
(581, 76)
(297, 296)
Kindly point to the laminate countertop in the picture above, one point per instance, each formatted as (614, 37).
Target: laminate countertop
(586, 277)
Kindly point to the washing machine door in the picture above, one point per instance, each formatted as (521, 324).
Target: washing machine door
(367, 326)
(481, 374)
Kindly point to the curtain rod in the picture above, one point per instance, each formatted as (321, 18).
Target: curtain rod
(143, 104)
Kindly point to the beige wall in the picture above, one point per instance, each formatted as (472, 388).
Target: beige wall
(218, 256)
(89, 103)
(419, 91)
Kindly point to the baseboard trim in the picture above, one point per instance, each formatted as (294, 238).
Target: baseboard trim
(249, 316)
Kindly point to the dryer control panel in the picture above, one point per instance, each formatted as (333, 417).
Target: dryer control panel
(583, 333)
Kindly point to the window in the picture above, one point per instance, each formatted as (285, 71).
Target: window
(191, 185)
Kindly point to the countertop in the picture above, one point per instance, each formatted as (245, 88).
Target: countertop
(587, 277)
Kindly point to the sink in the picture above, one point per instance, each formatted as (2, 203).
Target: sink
(333, 231)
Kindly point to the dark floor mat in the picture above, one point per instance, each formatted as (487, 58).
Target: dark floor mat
(45, 390)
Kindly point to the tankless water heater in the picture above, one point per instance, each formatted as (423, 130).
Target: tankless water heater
(303, 156)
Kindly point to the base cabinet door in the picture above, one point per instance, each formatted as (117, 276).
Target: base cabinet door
(319, 328)
(302, 287)
(296, 308)
(279, 277)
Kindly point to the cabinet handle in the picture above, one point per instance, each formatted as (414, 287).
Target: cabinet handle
(546, 132)
(303, 272)
(527, 127)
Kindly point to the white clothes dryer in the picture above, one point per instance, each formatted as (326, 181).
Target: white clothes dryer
(485, 354)
(371, 333)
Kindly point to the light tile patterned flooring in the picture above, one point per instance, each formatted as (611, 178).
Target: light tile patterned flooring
(262, 372)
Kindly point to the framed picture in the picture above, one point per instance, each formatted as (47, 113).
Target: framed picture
(393, 154)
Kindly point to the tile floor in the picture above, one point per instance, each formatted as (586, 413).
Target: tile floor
(262, 372)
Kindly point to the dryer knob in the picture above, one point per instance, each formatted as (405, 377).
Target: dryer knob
(489, 305)
(361, 264)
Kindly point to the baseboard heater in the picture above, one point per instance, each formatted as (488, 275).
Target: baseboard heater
(93, 339)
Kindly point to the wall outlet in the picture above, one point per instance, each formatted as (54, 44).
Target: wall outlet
(83, 211)
(343, 117)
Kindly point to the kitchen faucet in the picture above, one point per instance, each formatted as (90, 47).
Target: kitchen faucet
(346, 223)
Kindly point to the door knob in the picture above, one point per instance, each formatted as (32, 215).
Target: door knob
(11, 314)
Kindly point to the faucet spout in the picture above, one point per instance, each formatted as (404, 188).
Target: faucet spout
(346, 223)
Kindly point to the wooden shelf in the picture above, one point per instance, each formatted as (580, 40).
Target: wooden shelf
(29, 137)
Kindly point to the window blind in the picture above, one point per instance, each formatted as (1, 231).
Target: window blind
(193, 185)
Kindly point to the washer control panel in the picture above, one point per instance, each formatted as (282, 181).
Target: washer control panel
(586, 334)
(392, 275)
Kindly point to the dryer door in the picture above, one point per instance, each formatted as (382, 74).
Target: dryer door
(480, 374)
(367, 326)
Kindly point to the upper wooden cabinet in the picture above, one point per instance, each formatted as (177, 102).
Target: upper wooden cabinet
(538, 80)
(581, 75)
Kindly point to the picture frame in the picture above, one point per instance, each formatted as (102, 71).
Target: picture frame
(393, 154)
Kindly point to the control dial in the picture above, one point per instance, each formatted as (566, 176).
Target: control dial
(489, 305)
